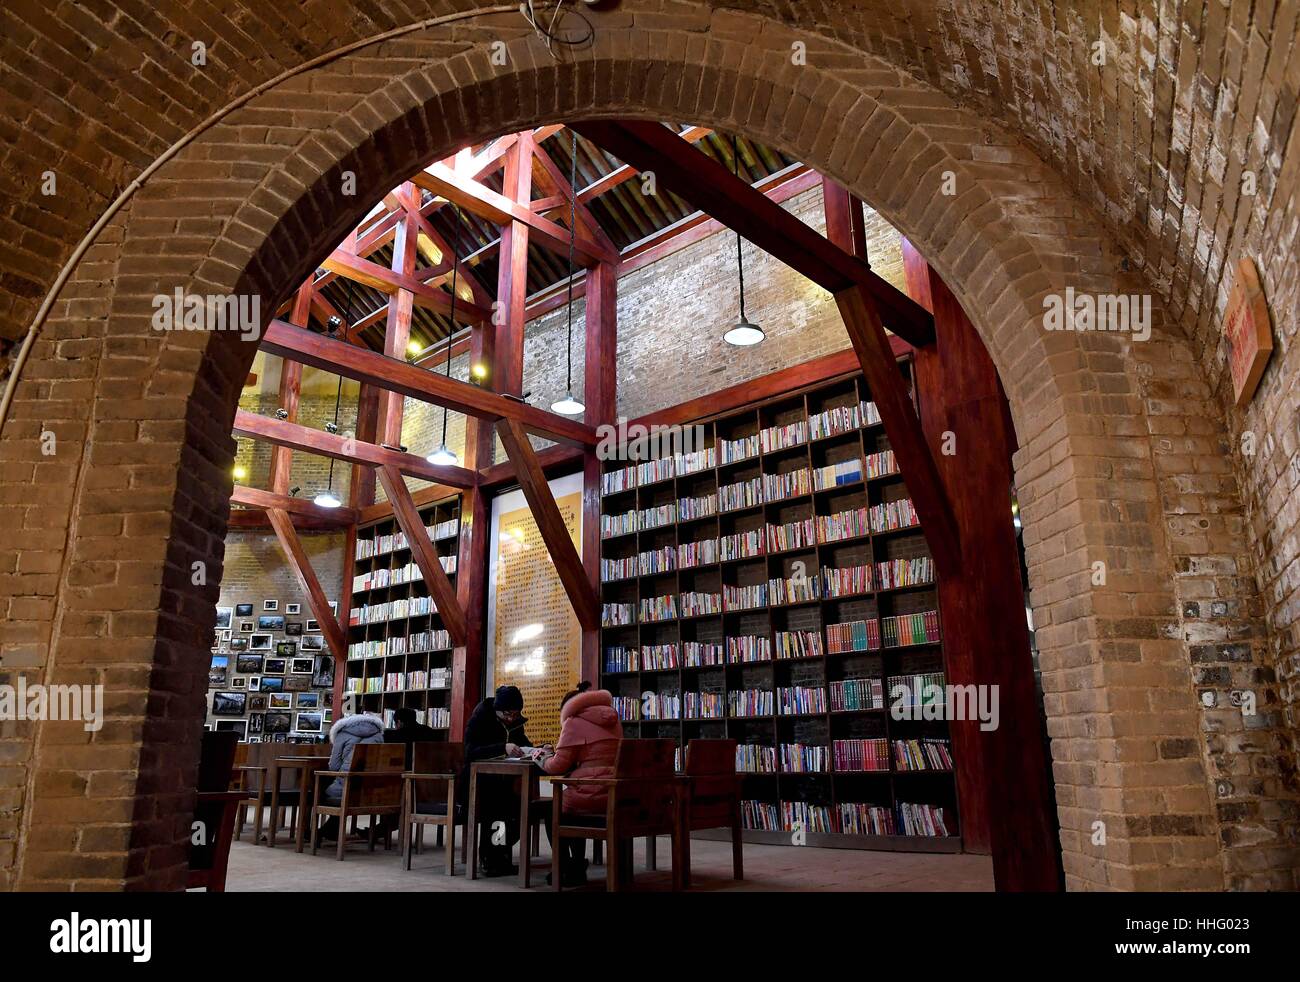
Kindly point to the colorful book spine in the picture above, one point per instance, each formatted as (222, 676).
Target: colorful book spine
(792, 535)
(618, 569)
(612, 525)
(838, 475)
(617, 615)
(871, 754)
(657, 516)
(703, 705)
(846, 581)
(654, 561)
(780, 437)
(795, 590)
(917, 691)
(843, 525)
(754, 758)
(800, 700)
(852, 636)
(856, 695)
(621, 658)
(742, 494)
(699, 460)
(702, 553)
(791, 484)
(890, 515)
(655, 657)
(654, 471)
(744, 597)
(881, 464)
(805, 816)
(702, 507)
(858, 818)
(697, 603)
(904, 572)
(922, 755)
(661, 705)
(761, 816)
(804, 758)
(748, 648)
(628, 708)
(699, 654)
(614, 482)
(729, 451)
(749, 702)
(910, 629)
(658, 608)
(921, 819)
(799, 644)
(742, 545)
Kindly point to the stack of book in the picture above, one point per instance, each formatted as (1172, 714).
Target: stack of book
(791, 484)
(701, 507)
(654, 561)
(662, 705)
(881, 464)
(846, 581)
(857, 818)
(754, 758)
(836, 475)
(431, 641)
(795, 590)
(702, 553)
(742, 494)
(798, 644)
(844, 525)
(658, 608)
(910, 629)
(657, 515)
(748, 648)
(800, 700)
(856, 695)
(905, 572)
(618, 569)
(655, 657)
(612, 482)
(612, 525)
(703, 705)
(917, 691)
(759, 815)
(744, 597)
(698, 460)
(697, 603)
(741, 545)
(653, 471)
(697, 654)
(852, 636)
(750, 702)
(617, 615)
(805, 816)
(870, 754)
(439, 719)
(729, 451)
(922, 755)
(890, 515)
(628, 708)
(804, 758)
(780, 437)
(842, 419)
(921, 819)
(620, 658)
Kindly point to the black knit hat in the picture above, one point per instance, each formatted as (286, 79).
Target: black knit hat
(508, 697)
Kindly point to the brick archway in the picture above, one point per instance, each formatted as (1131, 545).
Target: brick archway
(253, 203)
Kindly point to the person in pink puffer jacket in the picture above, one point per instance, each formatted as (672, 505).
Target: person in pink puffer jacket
(589, 734)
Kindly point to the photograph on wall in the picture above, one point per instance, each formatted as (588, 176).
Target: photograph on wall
(297, 683)
(329, 717)
(312, 625)
(272, 683)
(308, 723)
(270, 622)
(257, 704)
(313, 642)
(255, 684)
(229, 703)
(302, 666)
(286, 649)
(255, 722)
(224, 614)
(239, 726)
(308, 700)
(279, 700)
(238, 644)
(293, 608)
(259, 642)
(217, 673)
(225, 636)
(243, 610)
(274, 666)
(293, 628)
(248, 664)
(277, 722)
(239, 682)
(323, 677)
(270, 605)
(247, 627)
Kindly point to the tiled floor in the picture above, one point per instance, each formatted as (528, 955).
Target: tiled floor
(257, 868)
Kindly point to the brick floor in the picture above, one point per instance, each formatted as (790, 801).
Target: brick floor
(258, 869)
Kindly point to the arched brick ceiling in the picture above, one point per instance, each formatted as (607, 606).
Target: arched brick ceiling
(1191, 94)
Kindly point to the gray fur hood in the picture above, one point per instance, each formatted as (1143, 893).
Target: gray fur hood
(361, 725)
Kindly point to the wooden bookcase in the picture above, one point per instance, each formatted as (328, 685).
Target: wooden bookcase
(382, 648)
(819, 726)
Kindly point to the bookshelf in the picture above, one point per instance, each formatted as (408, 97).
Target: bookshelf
(772, 587)
(399, 654)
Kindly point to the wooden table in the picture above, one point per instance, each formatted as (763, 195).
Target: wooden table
(516, 768)
(306, 768)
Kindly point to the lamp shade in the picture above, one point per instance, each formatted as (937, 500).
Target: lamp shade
(743, 334)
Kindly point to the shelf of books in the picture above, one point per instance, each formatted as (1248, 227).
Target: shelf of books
(774, 586)
(399, 654)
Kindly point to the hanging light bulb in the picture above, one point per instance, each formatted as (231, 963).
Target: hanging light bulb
(744, 332)
(445, 455)
(570, 406)
(327, 499)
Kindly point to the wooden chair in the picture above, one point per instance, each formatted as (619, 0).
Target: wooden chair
(429, 798)
(645, 799)
(250, 778)
(214, 810)
(372, 787)
(713, 800)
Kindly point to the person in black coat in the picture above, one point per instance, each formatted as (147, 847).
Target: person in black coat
(409, 731)
(495, 729)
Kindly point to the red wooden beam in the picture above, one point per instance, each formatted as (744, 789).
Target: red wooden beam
(257, 498)
(399, 376)
(626, 172)
(512, 275)
(290, 389)
(425, 556)
(376, 277)
(558, 183)
(255, 520)
(550, 523)
(330, 625)
(710, 187)
(285, 434)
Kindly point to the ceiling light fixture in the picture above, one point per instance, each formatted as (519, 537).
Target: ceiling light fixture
(444, 455)
(569, 406)
(327, 498)
(743, 333)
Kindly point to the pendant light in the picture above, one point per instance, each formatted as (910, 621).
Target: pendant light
(327, 498)
(569, 406)
(743, 333)
(444, 454)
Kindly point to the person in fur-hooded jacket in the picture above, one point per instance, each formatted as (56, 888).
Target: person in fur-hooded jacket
(590, 732)
(345, 734)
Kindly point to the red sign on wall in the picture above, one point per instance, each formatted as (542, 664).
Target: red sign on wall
(1248, 331)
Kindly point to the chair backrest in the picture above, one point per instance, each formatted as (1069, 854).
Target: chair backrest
(289, 776)
(430, 757)
(216, 760)
(645, 804)
(388, 759)
(237, 782)
(715, 788)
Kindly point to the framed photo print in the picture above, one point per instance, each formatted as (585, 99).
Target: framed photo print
(257, 704)
(229, 703)
(329, 716)
(270, 605)
(313, 642)
(302, 666)
(279, 700)
(239, 726)
(260, 642)
(297, 683)
(308, 723)
(312, 625)
(239, 644)
(293, 608)
(224, 614)
(334, 607)
(239, 683)
(277, 722)
(308, 700)
(323, 676)
(248, 664)
(270, 622)
(255, 684)
(225, 636)
(255, 723)
(273, 666)
(293, 628)
(217, 673)
(246, 627)
(272, 683)
(243, 610)
(286, 649)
